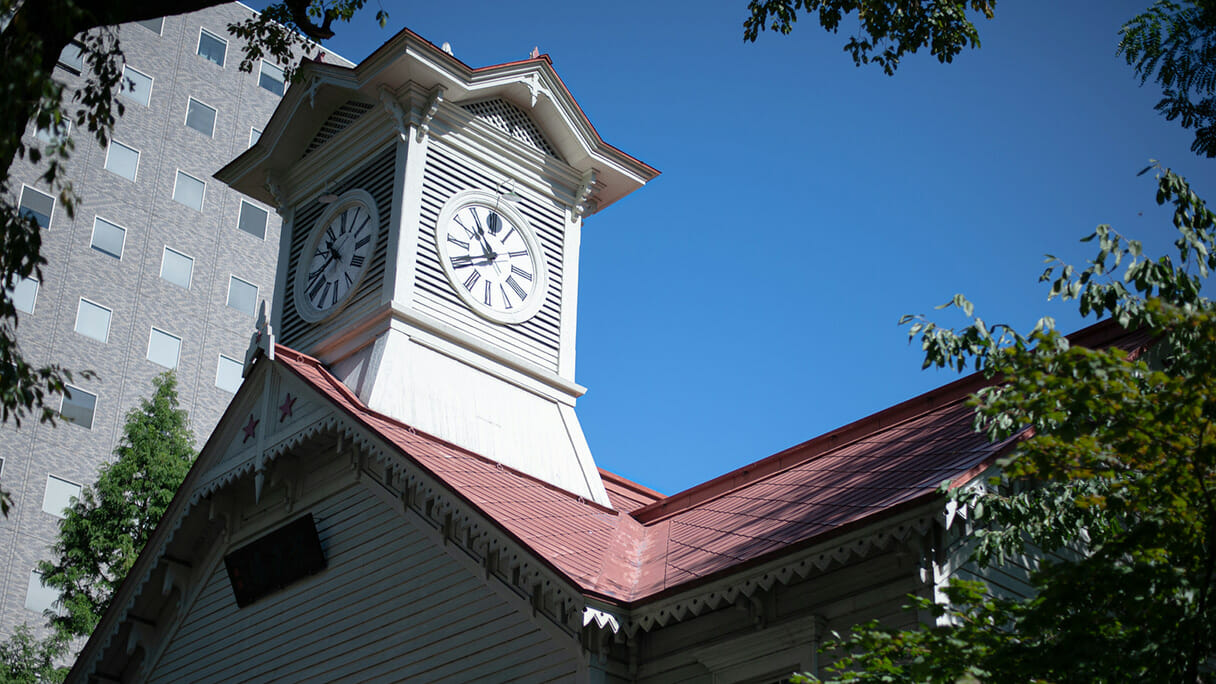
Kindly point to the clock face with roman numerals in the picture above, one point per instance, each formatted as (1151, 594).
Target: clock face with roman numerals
(336, 256)
(492, 259)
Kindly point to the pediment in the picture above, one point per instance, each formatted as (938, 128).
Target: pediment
(414, 83)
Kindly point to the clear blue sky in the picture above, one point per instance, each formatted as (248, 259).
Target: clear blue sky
(747, 299)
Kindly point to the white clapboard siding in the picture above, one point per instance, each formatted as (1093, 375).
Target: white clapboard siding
(390, 606)
(537, 339)
(375, 177)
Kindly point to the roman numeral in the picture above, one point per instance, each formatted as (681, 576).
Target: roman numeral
(476, 219)
(324, 293)
(342, 223)
(460, 223)
(505, 299)
(335, 299)
(459, 243)
(363, 225)
(462, 260)
(523, 294)
(508, 235)
(487, 297)
(356, 261)
(522, 252)
(521, 273)
(349, 282)
(471, 280)
(329, 233)
(316, 287)
(362, 241)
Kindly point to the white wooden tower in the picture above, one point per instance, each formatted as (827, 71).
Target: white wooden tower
(432, 216)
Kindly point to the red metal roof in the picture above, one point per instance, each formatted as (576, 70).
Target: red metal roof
(652, 545)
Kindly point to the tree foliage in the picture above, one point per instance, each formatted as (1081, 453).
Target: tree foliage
(25, 659)
(107, 527)
(1174, 44)
(1118, 460)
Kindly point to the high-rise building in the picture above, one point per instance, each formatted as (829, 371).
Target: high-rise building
(161, 267)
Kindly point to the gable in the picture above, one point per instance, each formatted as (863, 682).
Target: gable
(389, 606)
(512, 121)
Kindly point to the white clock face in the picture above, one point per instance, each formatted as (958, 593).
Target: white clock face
(492, 261)
(336, 257)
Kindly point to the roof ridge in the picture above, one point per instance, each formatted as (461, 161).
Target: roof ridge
(907, 410)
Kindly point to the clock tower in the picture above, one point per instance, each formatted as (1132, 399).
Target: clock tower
(432, 217)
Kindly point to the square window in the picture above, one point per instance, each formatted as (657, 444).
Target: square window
(153, 25)
(243, 295)
(253, 220)
(211, 46)
(24, 294)
(37, 205)
(122, 160)
(78, 407)
(72, 57)
(93, 320)
(200, 117)
(228, 374)
(55, 133)
(271, 78)
(255, 134)
(39, 597)
(177, 268)
(59, 495)
(108, 238)
(136, 85)
(164, 348)
(189, 190)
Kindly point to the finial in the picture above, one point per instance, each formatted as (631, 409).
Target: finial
(535, 52)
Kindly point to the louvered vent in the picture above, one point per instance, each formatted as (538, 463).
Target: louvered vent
(337, 122)
(509, 119)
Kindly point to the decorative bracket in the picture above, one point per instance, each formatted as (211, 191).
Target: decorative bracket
(395, 110)
(535, 88)
(432, 106)
(313, 86)
(582, 200)
(275, 188)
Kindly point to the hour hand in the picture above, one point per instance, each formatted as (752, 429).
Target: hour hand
(462, 260)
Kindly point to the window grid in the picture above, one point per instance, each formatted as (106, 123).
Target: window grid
(154, 25)
(58, 495)
(108, 238)
(242, 295)
(176, 267)
(228, 374)
(252, 220)
(211, 47)
(93, 320)
(24, 294)
(201, 117)
(189, 190)
(271, 78)
(140, 88)
(78, 407)
(37, 205)
(164, 348)
(122, 160)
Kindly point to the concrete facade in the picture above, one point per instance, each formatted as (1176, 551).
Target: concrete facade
(131, 285)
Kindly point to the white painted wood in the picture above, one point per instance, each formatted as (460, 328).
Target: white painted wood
(390, 606)
(501, 421)
(569, 325)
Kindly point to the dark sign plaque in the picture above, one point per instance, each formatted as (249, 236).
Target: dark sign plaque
(275, 560)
